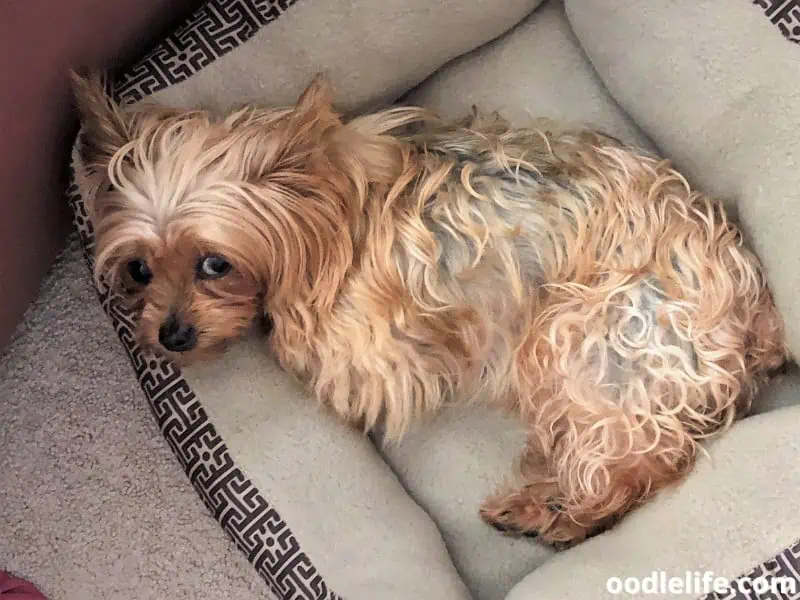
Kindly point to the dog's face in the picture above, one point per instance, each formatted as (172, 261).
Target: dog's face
(192, 293)
(201, 222)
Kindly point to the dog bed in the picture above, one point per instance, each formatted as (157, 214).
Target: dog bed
(311, 504)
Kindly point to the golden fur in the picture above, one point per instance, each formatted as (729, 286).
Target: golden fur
(406, 262)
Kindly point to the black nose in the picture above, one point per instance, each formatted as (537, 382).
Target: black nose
(177, 336)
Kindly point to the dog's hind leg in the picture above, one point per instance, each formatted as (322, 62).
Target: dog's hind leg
(590, 469)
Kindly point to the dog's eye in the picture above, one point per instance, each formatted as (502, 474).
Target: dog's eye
(213, 267)
(139, 271)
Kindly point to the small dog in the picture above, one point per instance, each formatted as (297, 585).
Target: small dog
(406, 262)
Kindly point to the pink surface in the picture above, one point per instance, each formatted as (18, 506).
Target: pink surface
(39, 41)
(12, 588)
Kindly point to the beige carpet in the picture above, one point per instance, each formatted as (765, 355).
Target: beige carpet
(92, 503)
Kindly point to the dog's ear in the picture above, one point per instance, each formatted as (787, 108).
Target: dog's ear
(105, 125)
(290, 138)
(317, 97)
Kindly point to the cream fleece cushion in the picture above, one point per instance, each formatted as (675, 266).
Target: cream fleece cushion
(536, 70)
(346, 508)
(373, 51)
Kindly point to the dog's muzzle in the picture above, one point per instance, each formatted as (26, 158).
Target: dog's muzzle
(176, 335)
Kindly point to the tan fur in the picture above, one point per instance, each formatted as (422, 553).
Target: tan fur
(407, 262)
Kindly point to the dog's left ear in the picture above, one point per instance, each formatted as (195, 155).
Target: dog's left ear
(105, 125)
(317, 97)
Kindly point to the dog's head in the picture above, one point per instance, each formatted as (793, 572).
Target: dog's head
(204, 223)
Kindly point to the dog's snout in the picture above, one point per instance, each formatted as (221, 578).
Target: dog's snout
(176, 335)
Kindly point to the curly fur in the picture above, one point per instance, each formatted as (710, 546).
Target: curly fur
(406, 262)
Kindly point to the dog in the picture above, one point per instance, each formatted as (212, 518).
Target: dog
(407, 262)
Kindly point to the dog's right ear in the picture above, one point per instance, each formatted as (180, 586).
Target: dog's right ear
(317, 97)
(105, 124)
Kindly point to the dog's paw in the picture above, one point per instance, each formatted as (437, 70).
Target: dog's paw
(534, 511)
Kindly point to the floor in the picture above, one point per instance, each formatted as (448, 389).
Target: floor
(92, 502)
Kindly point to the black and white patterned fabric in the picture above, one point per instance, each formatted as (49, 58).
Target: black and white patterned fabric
(242, 510)
(785, 15)
(775, 579)
(212, 31)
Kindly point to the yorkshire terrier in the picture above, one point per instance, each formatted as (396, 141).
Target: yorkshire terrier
(406, 262)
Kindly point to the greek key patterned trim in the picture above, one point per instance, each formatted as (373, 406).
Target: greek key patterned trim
(212, 31)
(785, 15)
(780, 577)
